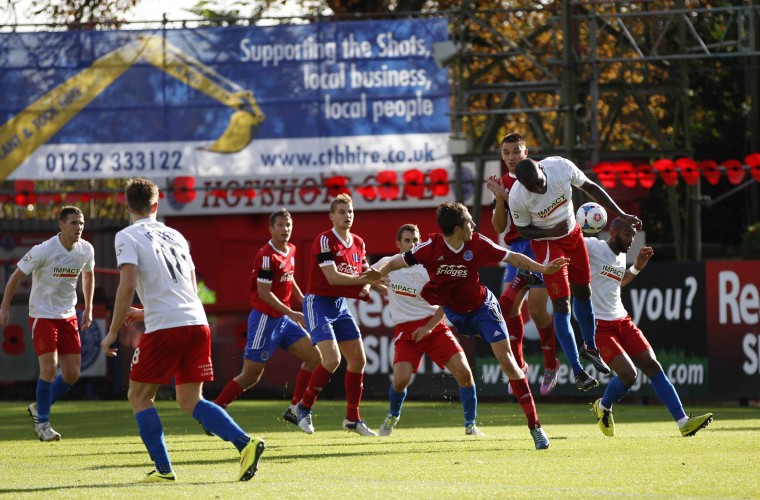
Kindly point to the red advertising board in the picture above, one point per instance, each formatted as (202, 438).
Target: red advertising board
(733, 328)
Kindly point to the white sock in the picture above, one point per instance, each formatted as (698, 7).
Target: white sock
(682, 421)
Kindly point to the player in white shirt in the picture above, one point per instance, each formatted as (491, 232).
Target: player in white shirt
(420, 330)
(55, 266)
(620, 341)
(155, 261)
(542, 209)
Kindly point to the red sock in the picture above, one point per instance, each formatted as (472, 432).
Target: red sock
(229, 394)
(516, 330)
(319, 378)
(549, 345)
(354, 388)
(525, 398)
(302, 381)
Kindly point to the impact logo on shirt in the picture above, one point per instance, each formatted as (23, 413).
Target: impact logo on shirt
(612, 273)
(65, 272)
(406, 291)
(546, 212)
(453, 270)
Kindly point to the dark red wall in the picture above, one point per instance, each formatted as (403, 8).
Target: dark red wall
(223, 247)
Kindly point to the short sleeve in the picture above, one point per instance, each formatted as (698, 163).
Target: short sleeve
(33, 259)
(126, 249)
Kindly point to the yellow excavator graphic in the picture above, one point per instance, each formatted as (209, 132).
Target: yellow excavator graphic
(35, 125)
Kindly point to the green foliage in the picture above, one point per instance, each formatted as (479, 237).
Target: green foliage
(750, 249)
(428, 455)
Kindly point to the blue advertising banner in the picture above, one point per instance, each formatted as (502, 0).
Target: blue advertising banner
(221, 102)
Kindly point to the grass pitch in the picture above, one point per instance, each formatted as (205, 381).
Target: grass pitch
(428, 455)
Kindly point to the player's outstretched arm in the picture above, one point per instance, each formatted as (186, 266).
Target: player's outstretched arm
(639, 263)
(600, 196)
(397, 262)
(524, 262)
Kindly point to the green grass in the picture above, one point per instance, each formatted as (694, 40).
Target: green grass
(428, 455)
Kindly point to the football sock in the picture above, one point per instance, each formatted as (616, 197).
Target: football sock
(230, 393)
(566, 339)
(548, 345)
(522, 392)
(302, 382)
(469, 397)
(668, 395)
(44, 400)
(516, 330)
(615, 390)
(584, 313)
(60, 388)
(152, 434)
(319, 378)
(354, 387)
(397, 399)
(218, 421)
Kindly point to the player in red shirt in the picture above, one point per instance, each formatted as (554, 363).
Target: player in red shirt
(272, 322)
(518, 282)
(338, 259)
(452, 259)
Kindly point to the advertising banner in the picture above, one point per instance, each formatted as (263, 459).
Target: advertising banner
(733, 327)
(667, 302)
(236, 101)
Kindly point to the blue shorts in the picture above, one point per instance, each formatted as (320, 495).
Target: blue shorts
(521, 245)
(266, 333)
(328, 318)
(486, 321)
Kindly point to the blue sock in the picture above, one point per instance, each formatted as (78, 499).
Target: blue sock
(469, 397)
(152, 434)
(584, 313)
(218, 421)
(397, 399)
(566, 338)
(615, 390)
(44, 400)
(60, 388)
(668, 395)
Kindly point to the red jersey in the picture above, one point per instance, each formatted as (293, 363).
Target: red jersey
(454, 279)
(348, 257)
(275, 267)
(511, 234)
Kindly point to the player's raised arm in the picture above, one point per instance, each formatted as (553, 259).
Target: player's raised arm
(600, 196)
(639, 263)
(525, 262)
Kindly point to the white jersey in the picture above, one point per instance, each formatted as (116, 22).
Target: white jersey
(607, 271)
(556, 204)
(55, 271)
(164, 270)
(404, 293)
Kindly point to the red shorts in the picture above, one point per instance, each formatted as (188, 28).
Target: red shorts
(440, 345)
(578, 272)
(183, 352)
(613, 338)
(51, 335)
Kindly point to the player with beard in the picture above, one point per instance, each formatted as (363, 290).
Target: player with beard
(542, 208)
(622, 345)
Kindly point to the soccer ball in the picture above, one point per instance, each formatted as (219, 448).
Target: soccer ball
(592, 217)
